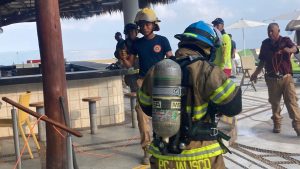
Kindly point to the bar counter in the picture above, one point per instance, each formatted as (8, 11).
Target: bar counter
(89, 80)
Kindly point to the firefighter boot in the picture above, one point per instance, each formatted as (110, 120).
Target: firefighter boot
(146, 158)
(277, 127)
(296, 126)
(298, 133)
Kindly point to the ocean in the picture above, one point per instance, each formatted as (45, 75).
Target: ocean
(19, 57)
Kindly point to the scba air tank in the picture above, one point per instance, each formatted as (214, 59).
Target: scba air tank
(166, 98)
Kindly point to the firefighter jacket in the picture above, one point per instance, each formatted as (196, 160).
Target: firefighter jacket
(208, 83)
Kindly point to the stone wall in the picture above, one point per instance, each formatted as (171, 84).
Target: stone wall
(110, 108)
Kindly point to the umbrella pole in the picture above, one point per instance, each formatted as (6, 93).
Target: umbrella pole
(244, 43)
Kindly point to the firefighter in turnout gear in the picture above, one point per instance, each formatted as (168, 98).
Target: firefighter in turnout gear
(149, 49)
(204, 94)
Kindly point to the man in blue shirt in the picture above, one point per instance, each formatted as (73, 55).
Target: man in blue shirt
(150, 49)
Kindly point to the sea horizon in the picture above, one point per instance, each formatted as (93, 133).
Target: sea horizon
(20, 57)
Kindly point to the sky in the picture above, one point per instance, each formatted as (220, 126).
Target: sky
(93, 38)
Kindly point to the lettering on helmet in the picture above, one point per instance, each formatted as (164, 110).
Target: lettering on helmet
(157, 48)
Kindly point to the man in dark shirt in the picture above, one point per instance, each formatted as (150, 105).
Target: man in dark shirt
(275, 55)
(119, 39)
(233, 61)
(130, 31)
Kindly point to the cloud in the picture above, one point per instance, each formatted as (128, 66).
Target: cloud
(251, 10)
(26, 26)
(84, 25)
(289, 1)
(164, 12)
(87, 24)
(193, 10)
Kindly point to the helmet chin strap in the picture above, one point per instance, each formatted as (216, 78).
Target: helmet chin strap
(212, 52)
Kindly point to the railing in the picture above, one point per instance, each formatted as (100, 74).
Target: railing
(44, 118)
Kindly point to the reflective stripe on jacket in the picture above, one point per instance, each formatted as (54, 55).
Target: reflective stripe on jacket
(189, 155)
(223, 92)
(218, 96)
(144, 99)
(199, 111)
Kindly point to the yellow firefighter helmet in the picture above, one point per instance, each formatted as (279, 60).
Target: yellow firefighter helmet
(147, 15)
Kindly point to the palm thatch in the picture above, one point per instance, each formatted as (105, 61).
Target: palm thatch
(16, 11)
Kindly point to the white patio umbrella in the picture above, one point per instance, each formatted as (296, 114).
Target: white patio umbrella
(293, 25)
(293, 16)
(242, 24)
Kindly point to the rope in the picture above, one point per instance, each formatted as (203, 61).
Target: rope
(248, 84)
(102, 155)
(76, 146)
(63, 136)
(26, 142)
(251, 118)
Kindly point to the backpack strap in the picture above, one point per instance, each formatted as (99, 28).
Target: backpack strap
(199, 130)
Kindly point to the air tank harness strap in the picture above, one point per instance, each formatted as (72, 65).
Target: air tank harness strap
(213, 112)
(207, 132)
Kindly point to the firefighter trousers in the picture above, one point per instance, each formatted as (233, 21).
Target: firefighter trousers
(278, 87)
(143, 122)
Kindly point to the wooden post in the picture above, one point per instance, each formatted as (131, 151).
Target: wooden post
(54, 78)
(144, 4)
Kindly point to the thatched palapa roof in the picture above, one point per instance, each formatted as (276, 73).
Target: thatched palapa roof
(16, 11)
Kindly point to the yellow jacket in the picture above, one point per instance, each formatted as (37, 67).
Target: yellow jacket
(223, 53)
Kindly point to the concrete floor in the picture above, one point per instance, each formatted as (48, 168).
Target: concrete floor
(118, 146)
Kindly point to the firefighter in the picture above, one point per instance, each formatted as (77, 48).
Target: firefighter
(131, 32)
(149, 49)
(206, 94)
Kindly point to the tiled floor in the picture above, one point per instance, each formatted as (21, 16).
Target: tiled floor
(118, 146)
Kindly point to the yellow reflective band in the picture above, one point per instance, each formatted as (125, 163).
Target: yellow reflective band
(188, 109)
(144, 99)
(190, 34)
(165, 97)
(133, 71)
(200, 111)
(223, 92)
(189, 155)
